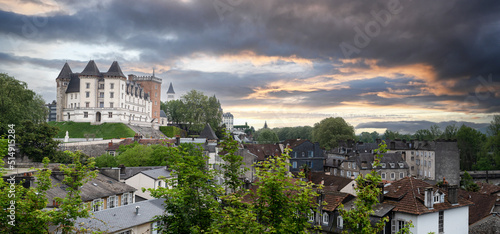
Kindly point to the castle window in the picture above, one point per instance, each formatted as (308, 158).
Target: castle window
(112, 85)
(110, 114)
(87, 85)
(101, 104)
(85, 114)
(123, 86)
(101, 86)
(101, 94)
(71, 96)
(156, 94)
(393, 176)
(87, 104)
(111, 95)
(87, 94)
(156, 86)
(111, 105)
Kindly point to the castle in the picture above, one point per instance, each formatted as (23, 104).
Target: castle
(97, 97)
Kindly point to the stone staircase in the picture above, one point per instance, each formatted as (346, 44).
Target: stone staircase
(147, 132)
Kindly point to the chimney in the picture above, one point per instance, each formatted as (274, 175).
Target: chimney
(381, 195)
(110, 144)
(137, 210)
(177, 140)
(429, 198)
(122, 169)
(453, 194)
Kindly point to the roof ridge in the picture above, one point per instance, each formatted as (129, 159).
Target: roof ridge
(414, 196)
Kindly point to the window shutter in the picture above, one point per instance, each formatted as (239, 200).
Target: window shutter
(393, 226)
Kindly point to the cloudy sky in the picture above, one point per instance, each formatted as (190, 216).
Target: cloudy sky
(378, 64)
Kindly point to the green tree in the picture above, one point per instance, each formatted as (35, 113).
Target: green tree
(282, 202)
(450, 132)
(266, 136)
(285, 133)
(493, 143)
(423, 135)
(159, 156)
(357, 219)
(232, 168)
(174, 110)
(18, 103)
(36, 140)
(137, 156)
(330, 130)
(366, 137)
(75, 176)
(469, 143)
(192, 196)
(106, 160)
(468, 183)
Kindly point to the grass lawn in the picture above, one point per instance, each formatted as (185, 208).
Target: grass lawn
(105, 130)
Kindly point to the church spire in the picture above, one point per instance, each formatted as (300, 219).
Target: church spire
(265, 124)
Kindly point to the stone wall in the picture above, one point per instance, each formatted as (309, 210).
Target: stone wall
(447, 162)
(90, 148)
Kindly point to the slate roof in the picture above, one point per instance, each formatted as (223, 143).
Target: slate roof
(163, 114)
(101, 186)
(91, 69)
(483, 204)
(208, 133)
(171, 89)
(407, 195)
(294, 142)
(262, 151)
(157, 173)
(123, 217)
(65, 72)
(331, 182)
(114, 70)
(74, 83)
(131, 171)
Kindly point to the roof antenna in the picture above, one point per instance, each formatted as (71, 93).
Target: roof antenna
(153, 72)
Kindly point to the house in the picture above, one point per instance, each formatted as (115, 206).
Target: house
(392, 166)
(128, 219)
(328, 217)
(102, 192)
(429, 208)
(253, 153)
(333, 183)
(304, 152)
(148, 179)
(99, 97)
(483, 215)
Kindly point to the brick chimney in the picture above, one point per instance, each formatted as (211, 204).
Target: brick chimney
(429, 198)
(177, 140)
(453, 194)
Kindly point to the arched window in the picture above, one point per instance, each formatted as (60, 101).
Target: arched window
(326, 218)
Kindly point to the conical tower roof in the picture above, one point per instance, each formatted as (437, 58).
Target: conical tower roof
(208, 133)
(65, 72)
(91, 69)
(115, 70)
(171, 89)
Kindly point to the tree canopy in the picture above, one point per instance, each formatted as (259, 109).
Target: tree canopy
(18, 103)
(266, 136)
(330, 130)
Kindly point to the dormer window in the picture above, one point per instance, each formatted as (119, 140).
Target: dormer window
(438, 197)
(382, 165)
(392, 165)
(401, 165)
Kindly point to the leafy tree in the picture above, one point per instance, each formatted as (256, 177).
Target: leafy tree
(71, 208)
(137, 156)
(468, 183)
(266, 136)
(293, 132)
(282, 202)
(436, 133)
(493, 142)
(469, 143)
(367, 137)
(232, 168)
(423, 135)
(191, 200)
(450, 132)
(159, 156)
(106, 160)
(328, 131)
(174, 110)
(36, 140)
(18, 103)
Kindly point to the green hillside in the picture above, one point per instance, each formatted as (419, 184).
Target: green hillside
(105, 130)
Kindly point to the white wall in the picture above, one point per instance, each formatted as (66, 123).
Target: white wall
(140, 181)
(456, 221)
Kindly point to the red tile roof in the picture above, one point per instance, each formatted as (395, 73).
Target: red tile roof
(486, 188)
(334, 199)
(407, 195)
(483, 203)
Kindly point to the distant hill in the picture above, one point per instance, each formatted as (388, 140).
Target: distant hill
(105, 130)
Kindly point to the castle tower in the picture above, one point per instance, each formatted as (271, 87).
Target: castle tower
(170, 93)
(62, 81)
(151, 85)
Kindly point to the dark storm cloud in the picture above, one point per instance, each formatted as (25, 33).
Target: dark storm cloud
(459, 39)
(411, 127)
